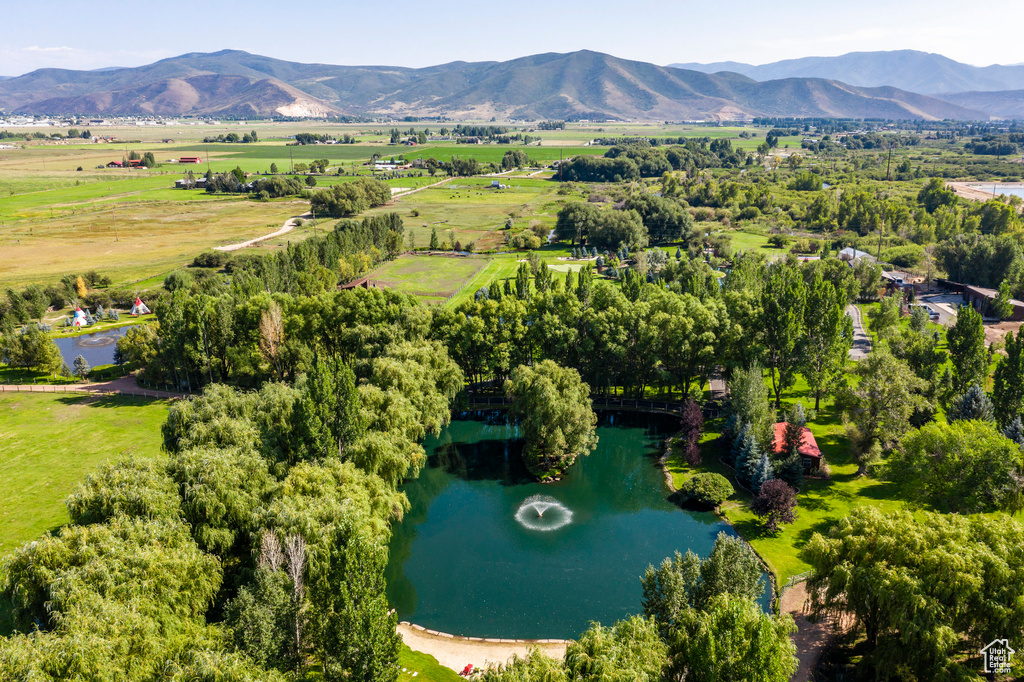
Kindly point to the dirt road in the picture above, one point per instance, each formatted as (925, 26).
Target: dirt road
(288, 226)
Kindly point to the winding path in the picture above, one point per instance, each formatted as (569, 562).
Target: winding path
(861, 340)
(288, 226)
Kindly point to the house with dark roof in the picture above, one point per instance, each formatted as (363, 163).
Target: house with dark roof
(810, 453)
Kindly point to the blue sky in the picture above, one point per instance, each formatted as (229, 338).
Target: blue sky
(404, 33)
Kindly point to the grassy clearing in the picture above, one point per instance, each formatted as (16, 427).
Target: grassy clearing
(130, 241)
(431, 278)
(426, 665)
(475, 212)
(498, 269)
(48, 443)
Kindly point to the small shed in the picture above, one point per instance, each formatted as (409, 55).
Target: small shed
(810, 453)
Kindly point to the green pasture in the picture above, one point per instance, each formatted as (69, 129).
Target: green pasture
(49, 442)
(498, 269)
(432, 278)
(474, 211)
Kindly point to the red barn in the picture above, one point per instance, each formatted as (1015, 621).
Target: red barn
(810, 454)
(190, 159)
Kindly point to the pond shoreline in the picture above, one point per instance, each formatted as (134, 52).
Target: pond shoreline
(773, 581)
(455, 652)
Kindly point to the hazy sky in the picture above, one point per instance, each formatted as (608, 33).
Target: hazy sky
(405, 33)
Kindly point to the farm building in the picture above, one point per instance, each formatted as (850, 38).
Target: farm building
(981, 300)
(190, 159)
(115, 164)
(810, 454)
(852, 255)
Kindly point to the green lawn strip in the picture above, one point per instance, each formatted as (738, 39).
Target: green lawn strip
(49, 442)
(426, 665)
(500, 268)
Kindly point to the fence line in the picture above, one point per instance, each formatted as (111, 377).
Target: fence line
(65, 388)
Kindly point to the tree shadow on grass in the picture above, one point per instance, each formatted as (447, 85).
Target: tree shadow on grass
(804, 535)
(105, 400)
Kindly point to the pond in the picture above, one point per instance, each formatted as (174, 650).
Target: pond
(97, 348)
(486, 551)
(1015, 190)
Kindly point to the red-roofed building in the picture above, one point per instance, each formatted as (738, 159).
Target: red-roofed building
(810, 454)
(189, 159)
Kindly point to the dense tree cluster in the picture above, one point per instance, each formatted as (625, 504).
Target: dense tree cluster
(349, 198)
(927, 591)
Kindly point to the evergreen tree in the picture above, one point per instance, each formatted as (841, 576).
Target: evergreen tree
(748, 457)
(791, 469)
(761, 473)
(972, 405)
(679, 253)
(434, 244)
(81, 368)
(1015, 431)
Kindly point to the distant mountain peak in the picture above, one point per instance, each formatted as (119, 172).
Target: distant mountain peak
(581, 84)
(912, 70)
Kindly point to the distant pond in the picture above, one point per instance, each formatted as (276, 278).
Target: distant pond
(97, 347)
(485, 551)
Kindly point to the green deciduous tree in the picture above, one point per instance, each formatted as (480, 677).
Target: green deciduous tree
(964, 467)
(327, 415)
(132, 487)
(733, 639)
(352, 629)
(892, 573)
(828, 337)
(552, 406)
(687, 582)
(631, 649)
(966, 342)
(783, 302)
(1008, 380)
(880, 406)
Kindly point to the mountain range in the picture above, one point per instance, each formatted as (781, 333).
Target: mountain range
(575, 85)
(924, 72)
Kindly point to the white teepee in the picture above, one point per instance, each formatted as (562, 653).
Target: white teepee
(139, 308)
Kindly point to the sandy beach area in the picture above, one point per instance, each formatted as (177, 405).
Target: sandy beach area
(980, 191)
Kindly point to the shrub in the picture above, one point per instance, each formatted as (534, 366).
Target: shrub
(775, 503)
(707, 488)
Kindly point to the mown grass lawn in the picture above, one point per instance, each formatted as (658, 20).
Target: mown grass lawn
(426, 665)
(48, 443)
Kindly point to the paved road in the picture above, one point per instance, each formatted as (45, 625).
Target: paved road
(861, 340)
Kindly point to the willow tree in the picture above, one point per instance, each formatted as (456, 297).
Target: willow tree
(552, 406)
